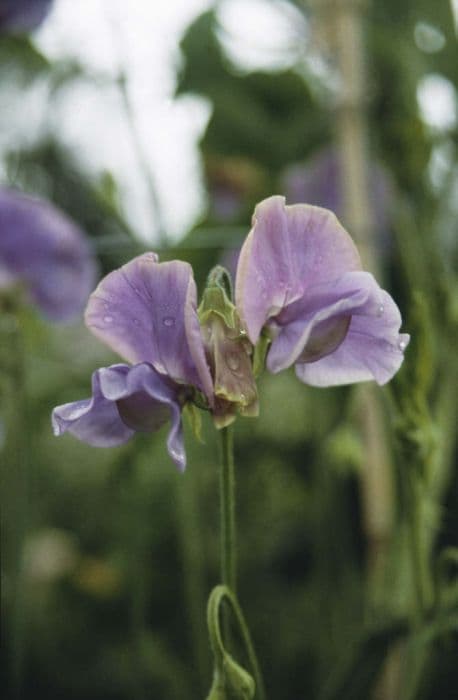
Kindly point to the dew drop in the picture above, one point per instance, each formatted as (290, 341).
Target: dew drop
(108, 319)
(168, 321)
(402, 345)
(380, 310)
(233, 361)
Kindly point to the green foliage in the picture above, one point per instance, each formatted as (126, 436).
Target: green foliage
(18, 55)
(268, 118)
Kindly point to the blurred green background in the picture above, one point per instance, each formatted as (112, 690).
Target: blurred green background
(348, 582)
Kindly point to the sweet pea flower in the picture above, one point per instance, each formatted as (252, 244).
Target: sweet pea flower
(146, 312)
(46, 252)
(299, 280)
(22, 15)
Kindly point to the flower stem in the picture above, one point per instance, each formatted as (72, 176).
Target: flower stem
(227, 512)
(228, 589)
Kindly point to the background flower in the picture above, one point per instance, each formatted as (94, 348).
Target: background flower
(318, 181)
(43, 249)
(23, 15)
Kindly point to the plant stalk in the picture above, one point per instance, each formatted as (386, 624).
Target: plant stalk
(227, 511)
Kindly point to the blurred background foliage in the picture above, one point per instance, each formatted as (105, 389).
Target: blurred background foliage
(119, 551)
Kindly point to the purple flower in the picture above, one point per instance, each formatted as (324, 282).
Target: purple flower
(318, 181)
(299, 277)
(44, 250)
(22, 15)
(299, 282)
(146, 312)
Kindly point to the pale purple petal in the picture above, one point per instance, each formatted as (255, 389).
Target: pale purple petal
(146, 312)
(142, 395)
(320, 246)
(196, 345)
(95, 420)
(266, 274)
(125, 400)
(47, 252)
(319, 321)
(288, 250)
(373, 349)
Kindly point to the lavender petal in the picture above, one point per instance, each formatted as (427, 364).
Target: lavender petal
(125, 400)
(288, 250)
(373, 349)
(146, 312)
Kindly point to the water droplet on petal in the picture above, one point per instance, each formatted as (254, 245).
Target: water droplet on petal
(233, 361)
(108, 319)
(380, 310)
(168, 321)
(402, 345)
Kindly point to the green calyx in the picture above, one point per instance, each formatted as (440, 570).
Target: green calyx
(216, 303)
(229, 352)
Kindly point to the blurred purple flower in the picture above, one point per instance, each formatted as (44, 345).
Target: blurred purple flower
(146, 312)
(318, 182)
(43, 249)
(22, 15)
(299, 275)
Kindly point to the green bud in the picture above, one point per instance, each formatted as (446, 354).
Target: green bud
(229, 353)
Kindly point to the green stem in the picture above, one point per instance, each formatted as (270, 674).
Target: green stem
(229, 564)
(227, 513)
(216, 598)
